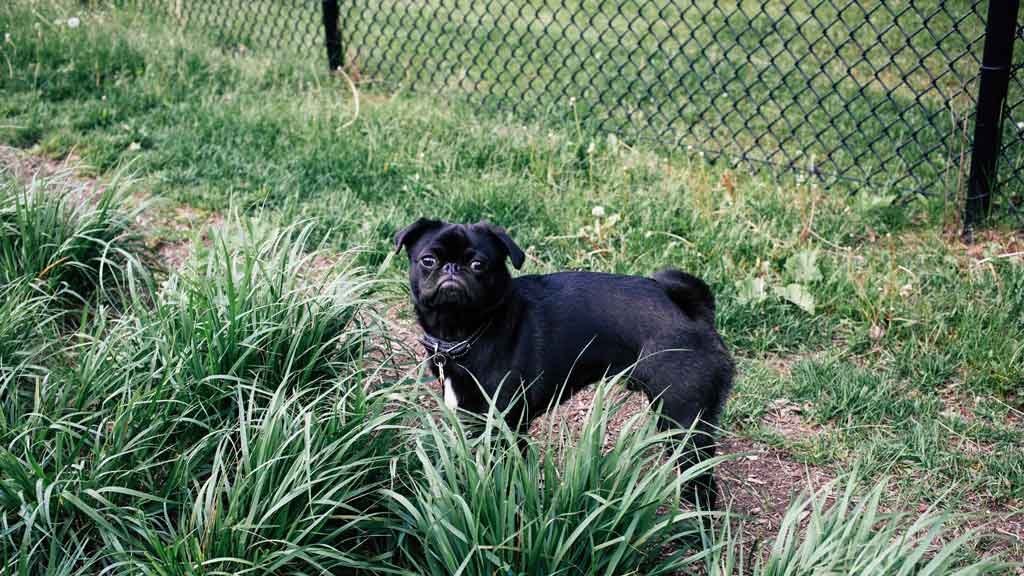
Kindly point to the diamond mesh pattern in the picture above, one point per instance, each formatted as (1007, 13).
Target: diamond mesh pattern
(255, 24)
(877, 93)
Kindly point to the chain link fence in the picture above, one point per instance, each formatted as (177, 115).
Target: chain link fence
(882, 95)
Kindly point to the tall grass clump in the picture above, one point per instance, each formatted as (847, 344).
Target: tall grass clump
(82, 454)
(484, 506)
(58, 235)
(111, 472)
(26, 327)
(291, 486)
(836, 531)
(222, 424)
(256, 309)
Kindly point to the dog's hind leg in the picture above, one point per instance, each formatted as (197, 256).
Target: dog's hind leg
(687, 406)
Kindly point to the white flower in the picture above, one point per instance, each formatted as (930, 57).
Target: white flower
(597, 212)
(7, 37)
(1020, 125)
(134, 146)
(572, 101)
(74, 22)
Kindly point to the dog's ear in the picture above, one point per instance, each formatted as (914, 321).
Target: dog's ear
(515, 253)
(410, 234)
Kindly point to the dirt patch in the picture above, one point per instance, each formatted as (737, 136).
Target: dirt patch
(168, 231)
(786, 418)
(181, 221)
(571, 415)
(999, 527)
(782, 365)
(28, 167)
(994, 244)
(396, 354)
(761, 481)
(957, 404)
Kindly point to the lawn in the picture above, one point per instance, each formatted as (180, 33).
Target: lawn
(205, 367)
(876, 92)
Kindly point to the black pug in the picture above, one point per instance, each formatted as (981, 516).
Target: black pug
(484, 329)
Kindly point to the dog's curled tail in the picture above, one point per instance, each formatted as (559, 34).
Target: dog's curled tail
(689, 293)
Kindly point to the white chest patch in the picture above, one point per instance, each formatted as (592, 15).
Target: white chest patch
(449, 395)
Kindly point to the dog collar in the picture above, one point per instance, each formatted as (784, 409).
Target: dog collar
(441, 351)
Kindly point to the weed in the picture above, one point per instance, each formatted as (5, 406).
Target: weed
(485, 506)
(69, 244)
(832, 532)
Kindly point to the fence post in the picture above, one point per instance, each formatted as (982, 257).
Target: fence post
(332, 36)
(1000, 30)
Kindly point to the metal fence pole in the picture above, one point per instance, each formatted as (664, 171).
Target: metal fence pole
(1000, 29)
(332, 35)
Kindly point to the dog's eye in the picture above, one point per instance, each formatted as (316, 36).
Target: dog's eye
(428, 261)
(476, 265)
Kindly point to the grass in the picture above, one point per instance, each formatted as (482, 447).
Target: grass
(248, 308)
(845, 88)
(127, 457)
(845, 536)
(483, 506)
(65, 242)
(127, 426)
(152, 440)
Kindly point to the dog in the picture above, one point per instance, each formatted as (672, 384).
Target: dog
(551, 335)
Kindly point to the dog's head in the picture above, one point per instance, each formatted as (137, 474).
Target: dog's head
(458, 268)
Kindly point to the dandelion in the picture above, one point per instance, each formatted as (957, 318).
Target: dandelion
(597, 212)
(1020, 126)
(74, 22)
(572, 101)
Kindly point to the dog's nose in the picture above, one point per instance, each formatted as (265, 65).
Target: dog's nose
(451, 268)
